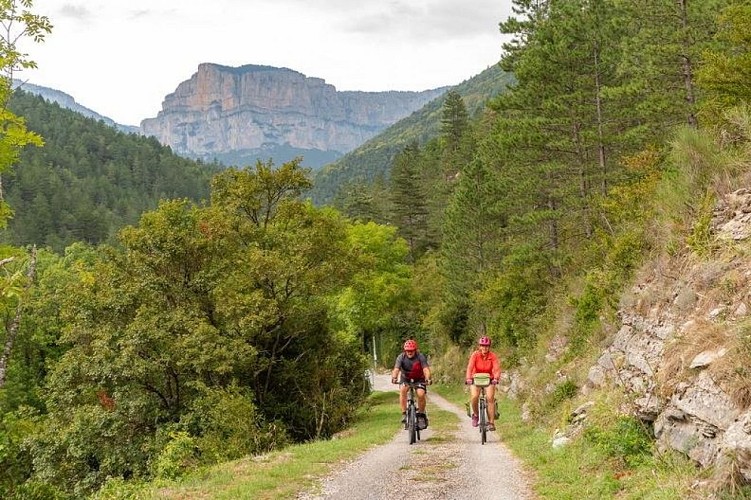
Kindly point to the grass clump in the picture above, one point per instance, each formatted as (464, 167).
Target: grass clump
(590, 466)
(627, 439)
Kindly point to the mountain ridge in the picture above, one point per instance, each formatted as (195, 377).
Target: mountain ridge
(253, 108)
(254, 115)
(67, 101)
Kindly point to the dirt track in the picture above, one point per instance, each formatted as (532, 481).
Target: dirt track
(436, 468)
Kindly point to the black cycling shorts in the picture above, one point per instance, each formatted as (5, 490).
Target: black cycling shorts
(419, 384)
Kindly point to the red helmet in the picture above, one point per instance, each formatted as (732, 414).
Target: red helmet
(410, 345)
(485, 341)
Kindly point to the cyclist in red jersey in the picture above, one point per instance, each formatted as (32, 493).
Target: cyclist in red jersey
(412, 365)
(483, 360)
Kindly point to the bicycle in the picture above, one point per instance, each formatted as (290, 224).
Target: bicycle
(411, 424)
(482, 380)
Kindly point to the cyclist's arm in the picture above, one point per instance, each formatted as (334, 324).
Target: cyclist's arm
(471, 366)
(397, 368)
(426, 373)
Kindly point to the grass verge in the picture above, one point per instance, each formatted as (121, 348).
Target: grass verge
(285, 473)
(589, 467)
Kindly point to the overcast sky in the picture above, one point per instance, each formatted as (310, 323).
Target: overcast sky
(122, 57)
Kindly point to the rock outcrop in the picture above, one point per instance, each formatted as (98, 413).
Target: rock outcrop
(683, 347)
(222, 110)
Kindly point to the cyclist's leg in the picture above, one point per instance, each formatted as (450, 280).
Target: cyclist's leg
(490, 396)
(421, 399)
(474, 393)
(483, 407)
(474, 396)
(421, 403)
(403, 389)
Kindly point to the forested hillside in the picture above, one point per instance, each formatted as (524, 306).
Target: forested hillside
(372, 160)
(89, 180)
(209, 332)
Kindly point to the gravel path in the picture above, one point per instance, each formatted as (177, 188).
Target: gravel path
(434, 468)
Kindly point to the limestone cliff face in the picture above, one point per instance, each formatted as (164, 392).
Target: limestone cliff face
(681, 351)
(223, 109)
(682, 348)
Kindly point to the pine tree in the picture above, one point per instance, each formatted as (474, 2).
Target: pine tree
(725, 75)
(454, 126)
(472, 230)
(557, 131)
(660, 56)
(409, 204)
(457, 139)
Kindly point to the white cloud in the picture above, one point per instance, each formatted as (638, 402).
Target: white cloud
(75, 12)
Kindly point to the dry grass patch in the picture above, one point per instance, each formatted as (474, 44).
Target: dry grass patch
(733, 371)
(433, 471)
(654, 288)
(728, 480)
(675, 368)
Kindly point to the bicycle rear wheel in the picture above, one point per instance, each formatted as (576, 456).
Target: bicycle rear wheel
(483, 421)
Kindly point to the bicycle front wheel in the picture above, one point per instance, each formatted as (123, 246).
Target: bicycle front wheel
(483, 421)
(412, 424)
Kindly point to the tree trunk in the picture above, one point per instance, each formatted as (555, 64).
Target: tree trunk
(600, 134)
(687, 67)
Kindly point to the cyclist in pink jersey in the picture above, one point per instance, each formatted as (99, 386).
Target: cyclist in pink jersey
(483, 360)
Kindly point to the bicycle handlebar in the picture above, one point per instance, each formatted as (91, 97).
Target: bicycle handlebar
(471, 382)
(412, 381)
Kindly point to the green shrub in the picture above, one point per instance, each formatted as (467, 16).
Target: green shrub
(589, 303)
(179, 456)
(15, 461)
(226, 425)
(33, 490)
(120, 489)
(514, 299)
(564, 391)
(626, 439)
(77, 451)
(587, 309)
(624, 252)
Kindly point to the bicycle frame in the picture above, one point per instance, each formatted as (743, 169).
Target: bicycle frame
(482, 381)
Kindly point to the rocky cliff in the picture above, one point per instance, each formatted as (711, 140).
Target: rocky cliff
(254, 110)
(683, 348)
(682, 351)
